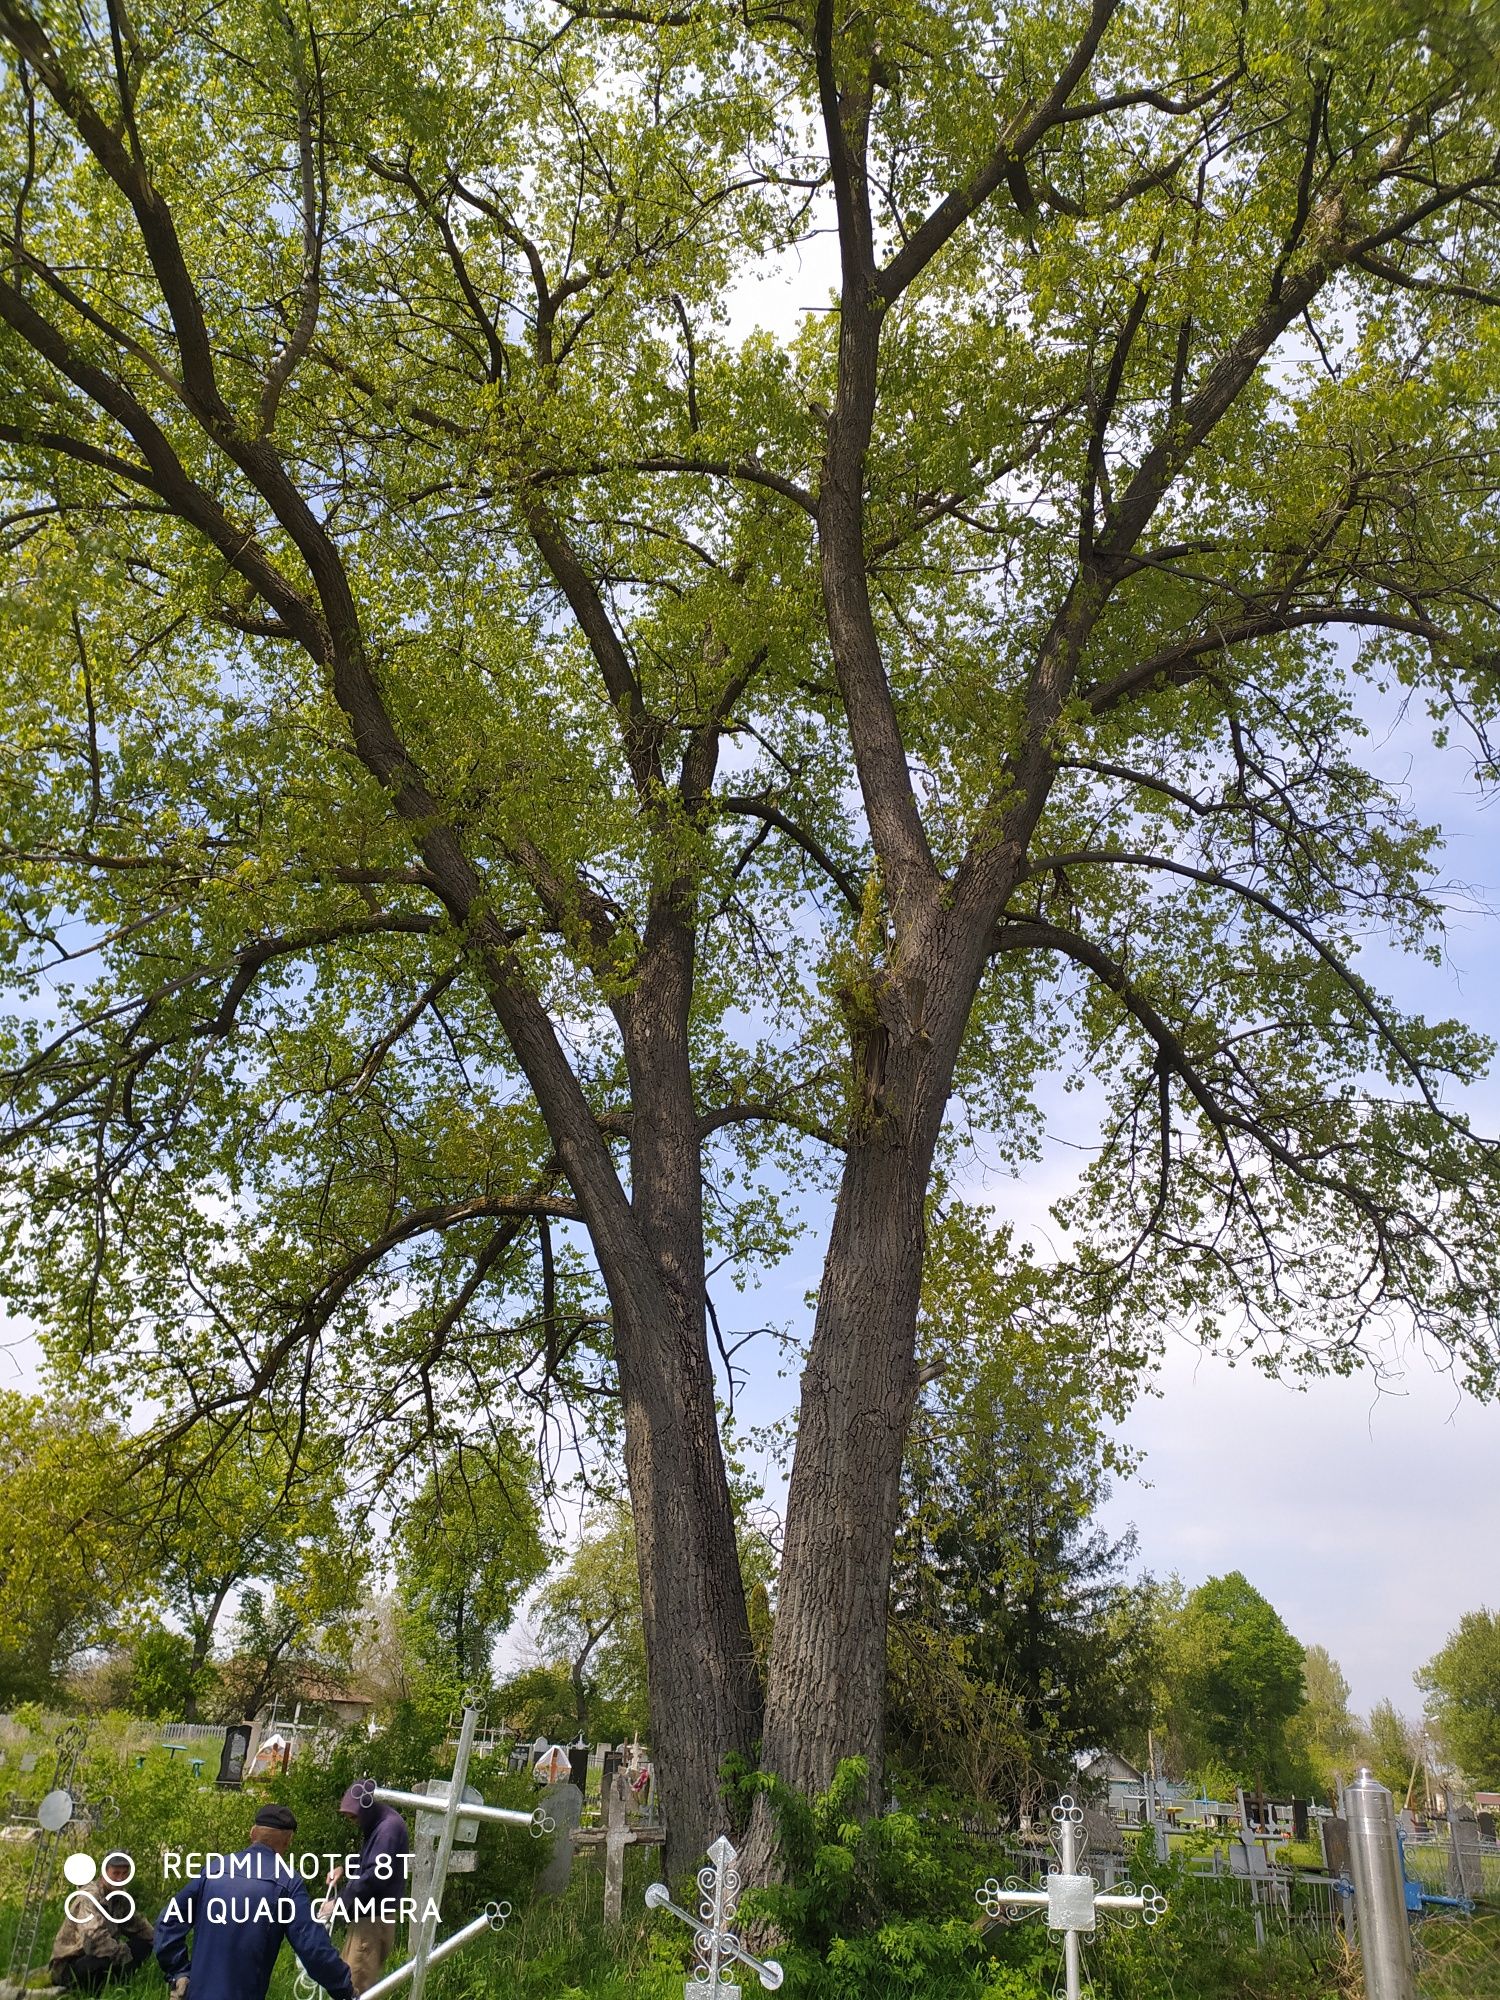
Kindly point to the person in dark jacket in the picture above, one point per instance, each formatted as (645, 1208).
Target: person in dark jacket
(370, 1901)
(238, 1913)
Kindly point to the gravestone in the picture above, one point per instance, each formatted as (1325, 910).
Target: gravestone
(564, 1806)
(1333, 1831)
(1299, 1819)
(1486, 1827)
(1100, 1834)
(1465, 1869)
(578, 1767)
(234, 1756)
(520, 1759)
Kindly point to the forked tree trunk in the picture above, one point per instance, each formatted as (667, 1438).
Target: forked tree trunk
(704, 1691)
(826, 1693)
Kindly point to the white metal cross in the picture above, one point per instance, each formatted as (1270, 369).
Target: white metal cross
(449, 1811)
(718, 1946)
(1071, 1898)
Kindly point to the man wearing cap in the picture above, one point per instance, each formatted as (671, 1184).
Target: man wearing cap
(239, 1910)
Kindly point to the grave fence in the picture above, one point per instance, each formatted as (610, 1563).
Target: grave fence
(1431, 1863)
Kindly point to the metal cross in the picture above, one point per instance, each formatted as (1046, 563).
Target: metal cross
(449, 1810)
(717, 1945)
(1071, 1898)
(55, 1813)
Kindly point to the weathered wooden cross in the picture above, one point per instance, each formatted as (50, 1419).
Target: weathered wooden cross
(718, 1946)
(1071, 1899)
(614, 1837)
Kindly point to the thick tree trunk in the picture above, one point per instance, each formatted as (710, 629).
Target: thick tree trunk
(704, 1689)
(704, 1692)
(825, 1697)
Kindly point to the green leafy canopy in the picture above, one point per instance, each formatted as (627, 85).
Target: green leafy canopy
(416, 607)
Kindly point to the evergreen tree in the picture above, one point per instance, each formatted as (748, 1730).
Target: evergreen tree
(1010, 1613)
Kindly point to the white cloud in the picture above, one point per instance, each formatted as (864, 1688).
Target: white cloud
(1371, 1520)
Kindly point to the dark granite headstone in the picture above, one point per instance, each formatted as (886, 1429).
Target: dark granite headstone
(232, 1757)
(578, 1767)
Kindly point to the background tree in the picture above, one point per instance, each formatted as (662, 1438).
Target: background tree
(1462, 1683)
(1391, 1744)
(540, 1700)
(164, 1677)
(398, 534)
(69, 1562)
(257, 1533)
(1235, 1679)
(1324, 1734)
(589, 1622)
(468, 1548)
(1011, 1621)
(385, 1661)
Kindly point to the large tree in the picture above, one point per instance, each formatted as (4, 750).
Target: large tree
(252, 1532)
(1462, 1683)
(1235, 1679)
(468, 1547)
(493, 751)
(69, 1556)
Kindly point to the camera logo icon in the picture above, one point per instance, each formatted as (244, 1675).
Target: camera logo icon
(115, 1904)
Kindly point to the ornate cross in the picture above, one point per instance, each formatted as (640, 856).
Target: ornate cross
(56, 1812)
(716, 1943)
(1071, 1899)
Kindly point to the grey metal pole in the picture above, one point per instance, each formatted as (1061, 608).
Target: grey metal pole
(394, 1981)
(427, 1935)
(1072, 1947)
(1379, 1891)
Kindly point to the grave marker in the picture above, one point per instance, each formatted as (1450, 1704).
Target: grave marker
(455, 1806)
(563, 1805)
(1465, 1867)
(53, 1815)
(717, 1945)
(1071, 1898)
(615, 1836)
(1379, 1891)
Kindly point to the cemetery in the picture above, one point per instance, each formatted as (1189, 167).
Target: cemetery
(749, 999)
(528, 1869)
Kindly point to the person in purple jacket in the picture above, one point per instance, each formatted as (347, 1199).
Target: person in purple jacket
(370, 1900)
